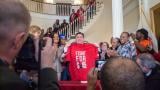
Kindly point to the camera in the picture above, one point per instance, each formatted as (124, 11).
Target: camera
(26, 57)
(99, 64)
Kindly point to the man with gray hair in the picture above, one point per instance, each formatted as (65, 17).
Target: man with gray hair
(151, 71)
(14, 24)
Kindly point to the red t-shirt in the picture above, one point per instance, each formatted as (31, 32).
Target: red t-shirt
(82, 58)
(73, 16)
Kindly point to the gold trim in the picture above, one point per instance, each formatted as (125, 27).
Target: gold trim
(154, 8)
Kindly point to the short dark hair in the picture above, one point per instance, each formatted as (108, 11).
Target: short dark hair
(144, 32)
(101, 43)
(126, 33)
(12, 14)
(118, 40)
(80, 34)
(73, 10)
(120, 73)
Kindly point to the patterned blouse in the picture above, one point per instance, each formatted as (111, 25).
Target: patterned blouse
(127, 50)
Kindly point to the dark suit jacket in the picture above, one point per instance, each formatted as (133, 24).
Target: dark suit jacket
(9, 80)
(153, 81)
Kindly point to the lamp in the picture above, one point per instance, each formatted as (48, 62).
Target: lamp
(78, 2)
(49, 1)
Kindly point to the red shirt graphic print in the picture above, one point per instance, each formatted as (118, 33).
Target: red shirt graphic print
(82, 58)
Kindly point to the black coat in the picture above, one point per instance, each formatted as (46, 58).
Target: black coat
(153, 81)
(9, 80)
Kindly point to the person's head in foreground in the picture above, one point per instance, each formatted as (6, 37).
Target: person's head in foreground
(146, 62)
(14, 24)
(80, 38)
(120, 73)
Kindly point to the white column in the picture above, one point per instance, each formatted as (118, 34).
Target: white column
(117, 17)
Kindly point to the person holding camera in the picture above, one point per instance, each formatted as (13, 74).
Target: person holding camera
(117, 73)
(14, 24)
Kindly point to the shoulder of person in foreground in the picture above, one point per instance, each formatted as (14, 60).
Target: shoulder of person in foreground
(48, 79)
(9, 80)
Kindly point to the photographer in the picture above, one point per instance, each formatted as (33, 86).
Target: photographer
(14, 24)
(117, 73)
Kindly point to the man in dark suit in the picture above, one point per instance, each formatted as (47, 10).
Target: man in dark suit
(151, 71)
(14, 23)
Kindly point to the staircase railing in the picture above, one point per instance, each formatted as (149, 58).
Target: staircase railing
(73, 27)
(64, 9)
(60, 9)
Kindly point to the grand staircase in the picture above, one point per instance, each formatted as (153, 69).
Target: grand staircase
(90, 15)
(86, 24)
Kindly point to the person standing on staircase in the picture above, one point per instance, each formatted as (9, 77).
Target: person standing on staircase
(91, 9)
(72, 19)
(80, 14)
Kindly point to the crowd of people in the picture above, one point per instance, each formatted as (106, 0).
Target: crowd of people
(73, 62)
(76, 18)
(56, 27)
(129, 65)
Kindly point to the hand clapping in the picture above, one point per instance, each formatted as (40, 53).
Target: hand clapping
(48, 53)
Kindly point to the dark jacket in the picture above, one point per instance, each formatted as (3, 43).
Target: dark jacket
(153, 81)
(106, 56)
(9, 80)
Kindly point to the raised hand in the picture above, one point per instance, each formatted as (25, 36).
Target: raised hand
(48, 53)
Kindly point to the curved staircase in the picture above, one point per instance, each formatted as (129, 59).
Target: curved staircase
(97, 10)
(87, 23)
